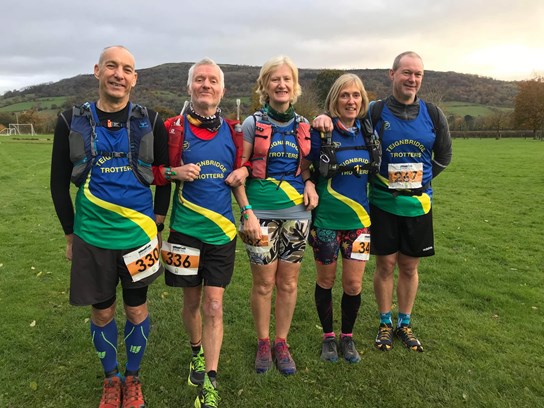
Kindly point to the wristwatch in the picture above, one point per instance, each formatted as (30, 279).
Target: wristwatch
(160, 226)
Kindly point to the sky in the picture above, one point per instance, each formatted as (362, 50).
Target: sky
(49, 40)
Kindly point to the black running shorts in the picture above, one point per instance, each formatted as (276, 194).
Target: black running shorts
(215, 267)
(96, 272)
(412, 236)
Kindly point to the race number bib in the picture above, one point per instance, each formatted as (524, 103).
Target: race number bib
(405, 175)
(254, 242)
(144, 261)
(360, 248)
(180, 259)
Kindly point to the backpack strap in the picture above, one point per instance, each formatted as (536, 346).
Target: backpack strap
(238, 139)
(374, 114)
(434, 114)
(174, 127)
(372, 141)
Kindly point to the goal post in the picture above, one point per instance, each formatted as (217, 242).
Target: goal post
(21, 129)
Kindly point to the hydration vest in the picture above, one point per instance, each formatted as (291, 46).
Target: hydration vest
(374, 114)
(328, 166)
(82, 140)
(264, 130)
(175, 127)
(375, 109)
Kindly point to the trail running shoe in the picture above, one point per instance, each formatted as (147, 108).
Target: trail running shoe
(111, 392)
(132, 392)
(283, 358)
(197, 369)
(348, 350)
(207, 397)
(384, 338)
(263, 359)
(329, 350)
(404, 333)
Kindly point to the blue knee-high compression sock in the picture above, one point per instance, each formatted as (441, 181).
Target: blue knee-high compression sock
(403, 319)
(385, 318)
(135, 342)
(105, 342)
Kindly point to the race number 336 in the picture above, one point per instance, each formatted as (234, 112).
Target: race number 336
(143, 261)
(180, 259)
(360, 248)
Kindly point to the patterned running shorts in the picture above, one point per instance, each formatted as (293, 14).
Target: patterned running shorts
(326, 243)
(286, 241)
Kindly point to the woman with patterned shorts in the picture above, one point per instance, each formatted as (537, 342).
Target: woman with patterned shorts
(275, 222)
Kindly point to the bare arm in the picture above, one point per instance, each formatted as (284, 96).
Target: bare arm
(310, 195)
(238, 177)
(251, 226)
(323, 123)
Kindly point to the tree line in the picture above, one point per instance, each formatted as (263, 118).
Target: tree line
(519, 105)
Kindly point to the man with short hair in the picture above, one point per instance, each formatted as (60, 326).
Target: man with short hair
(413, 153)
(415, 150)
(199, 254)
(111, 149)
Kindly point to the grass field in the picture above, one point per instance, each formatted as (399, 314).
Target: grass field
(479, 312)
(46, 103)
(473, 109)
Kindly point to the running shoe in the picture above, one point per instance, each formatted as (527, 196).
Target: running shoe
(111, 392)
(405, 334)
(207, 397)
(197, 369)
(132, 392)
(329, 350)
(263, 359)
(384, 338)
(283, 358)
(348, 350)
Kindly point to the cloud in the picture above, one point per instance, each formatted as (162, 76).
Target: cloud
(51, 40)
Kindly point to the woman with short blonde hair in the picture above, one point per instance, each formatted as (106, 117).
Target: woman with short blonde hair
(275, 223)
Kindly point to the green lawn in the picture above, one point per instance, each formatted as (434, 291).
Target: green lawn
(472, 109)
(45, 103)
(478, 313)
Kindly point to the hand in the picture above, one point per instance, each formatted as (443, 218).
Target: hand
(69, 240)
(252, 227)
(187, 172)
(322, 123)
(159, 238)
(237, 177)
(310, 196)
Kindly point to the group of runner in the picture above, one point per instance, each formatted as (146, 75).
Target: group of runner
(357, 182)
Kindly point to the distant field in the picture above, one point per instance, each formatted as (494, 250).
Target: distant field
(53, 104)
(49, 103)
(472, 109)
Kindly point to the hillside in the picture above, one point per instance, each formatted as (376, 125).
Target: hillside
(163, 87)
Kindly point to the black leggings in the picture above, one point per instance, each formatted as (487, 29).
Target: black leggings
(131, 297)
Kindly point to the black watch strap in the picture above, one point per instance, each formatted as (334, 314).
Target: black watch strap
(160, 226)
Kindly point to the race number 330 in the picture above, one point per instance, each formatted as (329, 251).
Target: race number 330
(143, 261)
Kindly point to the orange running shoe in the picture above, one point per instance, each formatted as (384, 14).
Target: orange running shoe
(111, 393)
(132, 392)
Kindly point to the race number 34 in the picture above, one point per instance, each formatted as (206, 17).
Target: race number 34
(360, 248)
